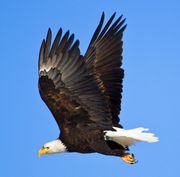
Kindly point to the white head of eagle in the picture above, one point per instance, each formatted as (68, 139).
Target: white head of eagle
(52, 147)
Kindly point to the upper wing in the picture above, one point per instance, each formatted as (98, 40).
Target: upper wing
(66, 85)
(104, 57)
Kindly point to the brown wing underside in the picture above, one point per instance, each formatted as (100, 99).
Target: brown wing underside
(65, 82)
(104, 56)
(85, 89)
(64, 108)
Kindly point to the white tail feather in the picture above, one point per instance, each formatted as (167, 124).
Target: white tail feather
(131, 136)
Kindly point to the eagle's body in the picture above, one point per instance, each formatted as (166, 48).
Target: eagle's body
(84, 92)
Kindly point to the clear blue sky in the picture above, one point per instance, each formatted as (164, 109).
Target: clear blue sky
(151, 96)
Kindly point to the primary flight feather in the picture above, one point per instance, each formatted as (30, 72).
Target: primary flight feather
(84, 92)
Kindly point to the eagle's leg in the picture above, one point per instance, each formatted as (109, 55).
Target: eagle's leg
(128, 158)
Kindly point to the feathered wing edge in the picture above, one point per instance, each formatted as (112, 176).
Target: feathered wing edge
(66, 68)
(104, 57)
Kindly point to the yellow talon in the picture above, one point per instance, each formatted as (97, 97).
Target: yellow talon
(128, 158)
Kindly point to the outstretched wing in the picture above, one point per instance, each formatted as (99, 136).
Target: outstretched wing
(104, 57)
(70, 91)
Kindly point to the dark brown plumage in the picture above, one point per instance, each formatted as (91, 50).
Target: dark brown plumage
(84, 92)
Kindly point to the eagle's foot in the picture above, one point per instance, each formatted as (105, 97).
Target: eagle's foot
(129, 158)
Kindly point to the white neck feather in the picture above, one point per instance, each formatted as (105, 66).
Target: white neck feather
(56, 146)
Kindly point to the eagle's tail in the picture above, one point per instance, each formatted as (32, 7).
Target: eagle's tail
(129, 137)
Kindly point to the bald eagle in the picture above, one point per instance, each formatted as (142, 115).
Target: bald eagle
(84, 93)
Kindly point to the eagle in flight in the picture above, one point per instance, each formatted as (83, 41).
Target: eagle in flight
(83, 92)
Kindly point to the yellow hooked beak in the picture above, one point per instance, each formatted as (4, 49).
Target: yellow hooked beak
(42, 151)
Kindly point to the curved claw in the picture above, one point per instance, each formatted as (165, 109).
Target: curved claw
(129, 158)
